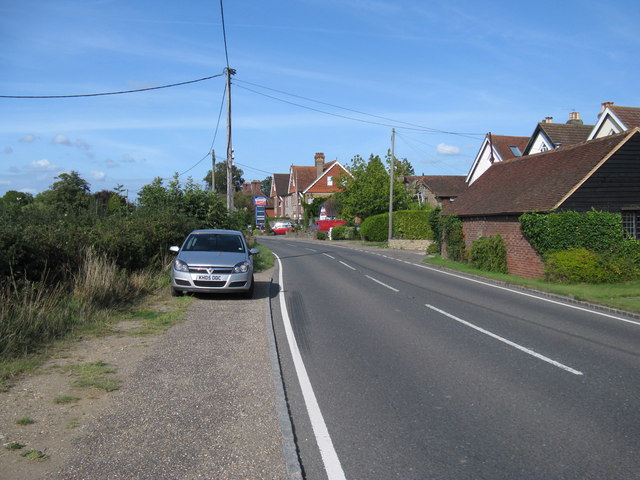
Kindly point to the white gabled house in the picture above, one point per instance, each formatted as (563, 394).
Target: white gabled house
(614, 119)
(495, 149)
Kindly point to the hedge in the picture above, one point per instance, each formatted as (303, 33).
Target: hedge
(407, 224)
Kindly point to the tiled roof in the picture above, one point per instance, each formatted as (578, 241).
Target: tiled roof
(303, 176)
(281, 181)
(441, 185)
(566, 133)
(502, 144)
(630, 116)
(538, 182)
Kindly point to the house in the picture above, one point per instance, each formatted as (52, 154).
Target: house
(548, 135)
(602, 173)
(278, 192)
(308, 182)
(613, 119)
(495, 148)
(436, 190)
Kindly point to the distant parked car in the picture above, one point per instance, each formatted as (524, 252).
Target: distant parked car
(280, 228)
(213, 261)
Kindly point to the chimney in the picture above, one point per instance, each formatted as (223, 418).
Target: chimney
(605, 105)
(548, 120)
(255, 187)
(574, 119)
(319, 158)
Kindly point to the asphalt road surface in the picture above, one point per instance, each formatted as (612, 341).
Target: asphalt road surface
(419, 373)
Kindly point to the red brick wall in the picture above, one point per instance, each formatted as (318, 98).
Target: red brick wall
(522, 259)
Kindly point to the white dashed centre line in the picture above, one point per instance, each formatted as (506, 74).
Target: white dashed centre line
(508, 342)
(383, 284)
(346, 265)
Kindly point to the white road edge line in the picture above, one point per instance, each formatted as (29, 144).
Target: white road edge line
(508, 342)
(329, 456)
(326, 254)
(346, 265)
(518, 292)
(383, 284)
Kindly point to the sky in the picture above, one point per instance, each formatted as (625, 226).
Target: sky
(331, 76)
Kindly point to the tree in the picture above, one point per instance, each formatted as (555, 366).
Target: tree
(367, 192)
(265, 186)
(69, 194)
(221, 178)
(13, 197)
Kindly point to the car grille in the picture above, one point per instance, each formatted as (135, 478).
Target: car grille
(216, 270)
(237, 284)
(200, 283)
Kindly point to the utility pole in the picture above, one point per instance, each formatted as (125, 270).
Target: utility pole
(229, 71)
(213, 171)
(391, 175)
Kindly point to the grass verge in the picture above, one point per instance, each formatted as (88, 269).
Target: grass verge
(624, 296)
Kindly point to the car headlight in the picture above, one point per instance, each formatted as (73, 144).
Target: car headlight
(242, 267)
(180, 266)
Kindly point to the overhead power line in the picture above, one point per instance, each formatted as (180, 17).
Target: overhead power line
(114, 93)
(396, 123)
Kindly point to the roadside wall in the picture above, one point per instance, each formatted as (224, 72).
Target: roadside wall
(522, 259)
(401, 244)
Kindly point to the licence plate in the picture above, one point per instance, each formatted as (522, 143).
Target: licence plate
(209, 278)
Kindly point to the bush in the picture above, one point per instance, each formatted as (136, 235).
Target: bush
(412, 225)
(453, 236)
(596, 231)
(489, 253)
(375, 228)
(320, 235)
(576, 265)
(408, 224)
(342, 232)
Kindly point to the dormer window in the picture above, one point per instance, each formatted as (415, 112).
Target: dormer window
(515, 150)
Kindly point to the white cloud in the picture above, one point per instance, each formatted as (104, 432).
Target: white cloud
(28, 139)
(111, 163)
(82, 145)
(42, 165)
(96, 175)
(61, 140)
(7, 150)
(444, 149)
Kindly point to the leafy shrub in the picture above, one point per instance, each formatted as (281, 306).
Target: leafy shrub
(453, 237)
(343, 232)
(320, 235)
(435, 222)
(412, 225)
(375, 228)
(576, 265)
(408, 224)
(593, 230)
(489, 253)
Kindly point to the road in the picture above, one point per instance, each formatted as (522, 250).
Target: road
(420, 373)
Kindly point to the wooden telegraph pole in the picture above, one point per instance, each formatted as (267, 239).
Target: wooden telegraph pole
(213, 171)
(229, 71)
(391, 175)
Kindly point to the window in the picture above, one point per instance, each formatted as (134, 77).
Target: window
(631, 223)
(515, 150)
(329, 180)
(544, 147)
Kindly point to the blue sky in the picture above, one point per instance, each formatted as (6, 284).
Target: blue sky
(456, 69)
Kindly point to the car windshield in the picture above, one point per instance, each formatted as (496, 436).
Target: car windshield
(213, 242)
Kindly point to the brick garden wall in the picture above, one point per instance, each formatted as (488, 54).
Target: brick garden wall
(522, 259)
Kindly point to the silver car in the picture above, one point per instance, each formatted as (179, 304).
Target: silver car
(213, 261)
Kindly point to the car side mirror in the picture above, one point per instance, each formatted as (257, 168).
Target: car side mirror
(174, 249)
(254, 251)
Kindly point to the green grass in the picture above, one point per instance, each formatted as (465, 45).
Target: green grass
(264, 260)
(65, 399)
(74, 423)
(34, 455)
(625, 296)
(94, 375)
(25, 421)
(14, 446)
